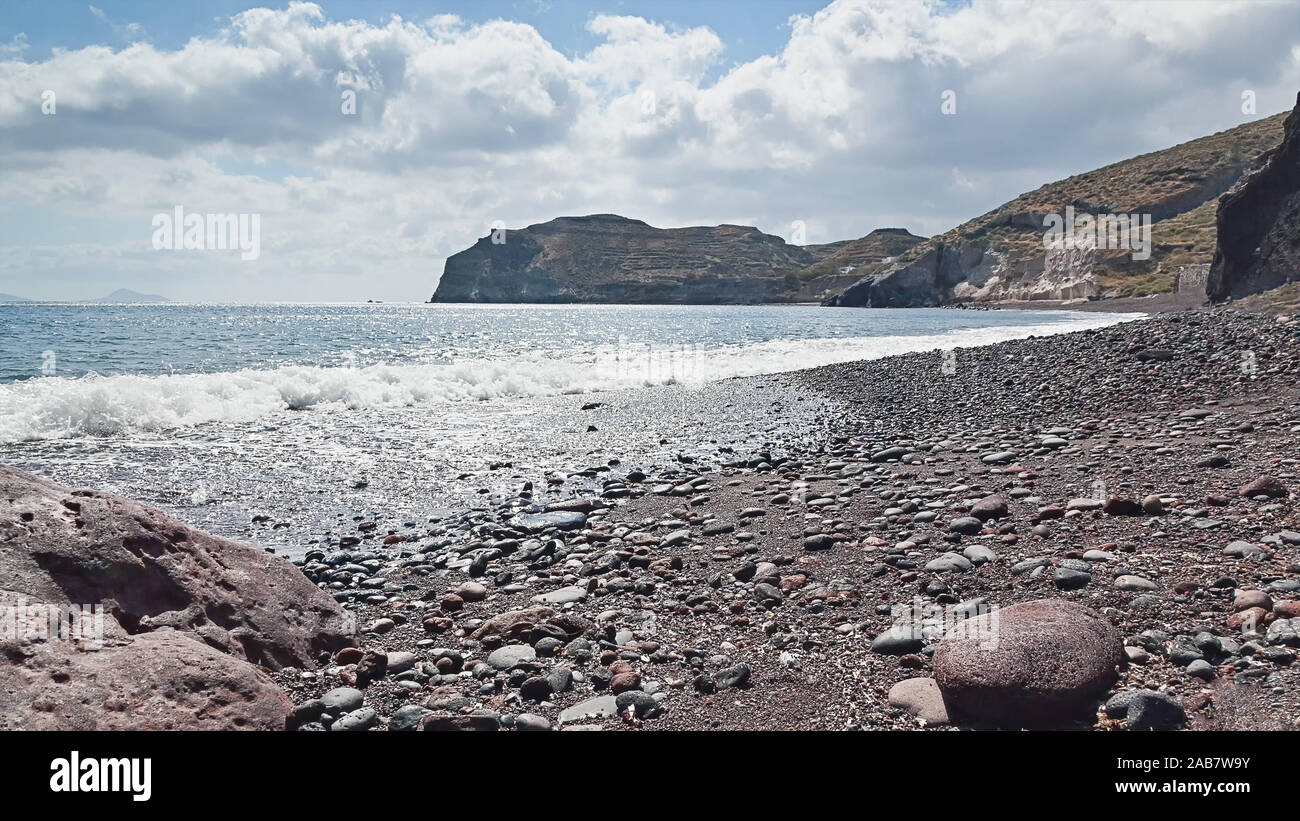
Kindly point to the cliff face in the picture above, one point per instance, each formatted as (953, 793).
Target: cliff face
(1000, 255)
(1258, 224)
(611, 259)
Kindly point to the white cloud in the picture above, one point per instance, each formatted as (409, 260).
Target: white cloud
(460, 124)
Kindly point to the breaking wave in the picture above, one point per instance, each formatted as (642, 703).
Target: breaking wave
(93, 405)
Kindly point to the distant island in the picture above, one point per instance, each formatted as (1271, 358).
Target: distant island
(120, 296)
(127, 295)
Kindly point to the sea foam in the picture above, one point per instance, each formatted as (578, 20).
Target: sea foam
(58, 407)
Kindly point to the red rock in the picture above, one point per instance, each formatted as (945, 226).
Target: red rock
(1246, 599)
(1287, 609)
(348, 655)
(161, 680)
(793, 582)
(451, 603)
(1041, 663)
(1263, 486)
(373, 665)
(437, 624)
(445, 665)
(1252, 615)
(513, 622)
(1122, 507)
(60, 546)
(623, 682)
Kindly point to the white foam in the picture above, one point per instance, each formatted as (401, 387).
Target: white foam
(57, 407)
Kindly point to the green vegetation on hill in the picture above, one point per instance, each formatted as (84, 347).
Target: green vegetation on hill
(1178, 187)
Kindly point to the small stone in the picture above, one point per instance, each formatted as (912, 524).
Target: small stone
(1202, 669)
(407, 718)
(342, 700)
(1148, 710)
(1122, 507)
(598, 707)
(471, 592)
(623, 682)
(731, 677)
(920, 697)
(1246, 599)
(531, 723)
(642, 704)
(1134, 583)
(356, 721)
(564, 595)
(990, 507)
(898, 640)
(503, 658)
(535, 688)
(949, 562)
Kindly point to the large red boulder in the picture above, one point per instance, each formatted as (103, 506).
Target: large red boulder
(1043, 663)
(186, 622)
(64, 546)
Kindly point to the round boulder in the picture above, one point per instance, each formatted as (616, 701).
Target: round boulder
(1038, 664)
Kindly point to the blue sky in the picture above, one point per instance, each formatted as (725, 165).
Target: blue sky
(821, 114)
(748, 29)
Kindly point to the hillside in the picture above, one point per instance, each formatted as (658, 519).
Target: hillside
(1000, 255)
(605, 258)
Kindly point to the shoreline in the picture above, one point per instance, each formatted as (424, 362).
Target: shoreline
(752, 592)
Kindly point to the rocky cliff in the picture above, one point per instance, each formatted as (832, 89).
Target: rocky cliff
(606, 258)
(1258, 224)
(1001, 256)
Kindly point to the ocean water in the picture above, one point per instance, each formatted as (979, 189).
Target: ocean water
(310, 415)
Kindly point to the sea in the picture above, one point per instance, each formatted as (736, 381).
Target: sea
(284, 424)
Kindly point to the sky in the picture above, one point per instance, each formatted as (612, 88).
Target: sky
(368, 141)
